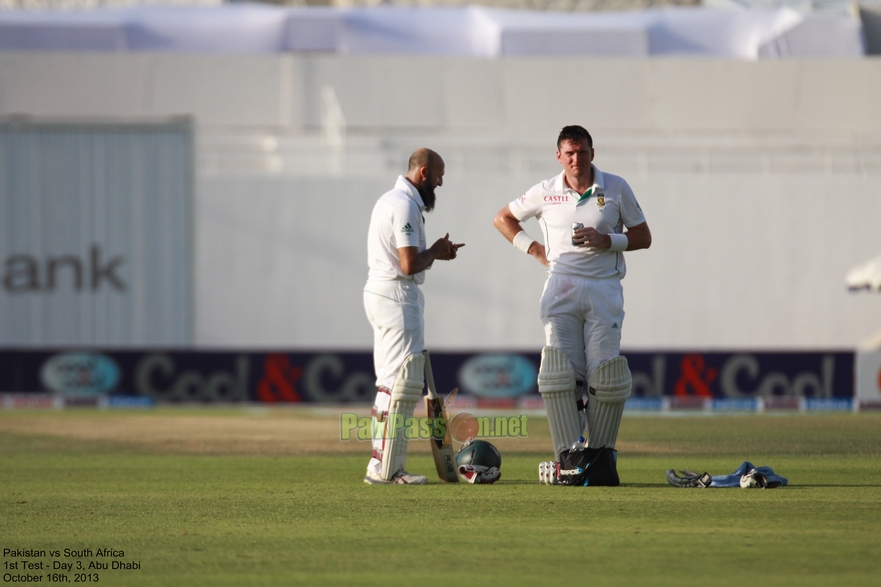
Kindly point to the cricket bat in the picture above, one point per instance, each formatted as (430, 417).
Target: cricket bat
(441, 448)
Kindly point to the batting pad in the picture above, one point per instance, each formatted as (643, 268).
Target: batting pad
(556, 384)
(609, 388)
(405, 393)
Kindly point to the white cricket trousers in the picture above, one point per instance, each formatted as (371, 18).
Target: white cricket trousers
(396, 310)
(582, 317)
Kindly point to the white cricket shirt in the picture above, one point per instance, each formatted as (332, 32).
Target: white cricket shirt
(397, 221)
(609, 205)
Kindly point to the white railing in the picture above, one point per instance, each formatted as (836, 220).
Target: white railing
(332, 152)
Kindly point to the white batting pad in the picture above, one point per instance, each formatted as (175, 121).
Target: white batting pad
(556, 384)
(609, 387)
(405, 393)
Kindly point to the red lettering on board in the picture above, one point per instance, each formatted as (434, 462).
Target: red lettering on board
(695, 376)
(279, 381)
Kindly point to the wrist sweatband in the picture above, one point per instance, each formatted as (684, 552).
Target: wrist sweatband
(522, 241)
(619, 242)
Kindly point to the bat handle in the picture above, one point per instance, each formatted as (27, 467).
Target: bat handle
(429, 376)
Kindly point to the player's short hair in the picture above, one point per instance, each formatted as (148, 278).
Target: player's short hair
(576, 134)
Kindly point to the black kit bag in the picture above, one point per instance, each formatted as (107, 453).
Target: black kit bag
(589, 467)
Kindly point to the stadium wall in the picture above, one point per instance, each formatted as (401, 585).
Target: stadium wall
(96, 234)
(759, 180)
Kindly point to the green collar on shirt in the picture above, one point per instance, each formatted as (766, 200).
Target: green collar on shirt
(586, 195)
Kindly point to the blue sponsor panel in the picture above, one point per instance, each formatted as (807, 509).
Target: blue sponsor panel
(644, 404)
(734, 405)
(829, 405)
(129, 401)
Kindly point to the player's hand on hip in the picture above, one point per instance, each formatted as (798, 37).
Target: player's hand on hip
(539, 252)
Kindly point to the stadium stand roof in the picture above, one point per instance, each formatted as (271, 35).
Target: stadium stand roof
(469, 31)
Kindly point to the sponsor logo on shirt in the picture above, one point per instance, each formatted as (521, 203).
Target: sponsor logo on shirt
(555, 198)
(408, 230)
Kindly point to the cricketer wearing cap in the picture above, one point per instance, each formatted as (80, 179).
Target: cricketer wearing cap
(583, 214)
(397, 257)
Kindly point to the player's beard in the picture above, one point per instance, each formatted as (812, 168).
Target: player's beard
(428, 197)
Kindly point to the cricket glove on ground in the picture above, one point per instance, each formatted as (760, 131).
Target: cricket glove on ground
(549, 473)
(688, 479)
(747, 476)
(478, 474)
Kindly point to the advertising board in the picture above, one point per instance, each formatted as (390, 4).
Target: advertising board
(693, 380)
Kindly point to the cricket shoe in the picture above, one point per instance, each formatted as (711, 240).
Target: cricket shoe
(402, 477)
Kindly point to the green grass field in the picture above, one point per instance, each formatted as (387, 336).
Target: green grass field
(239, 497)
